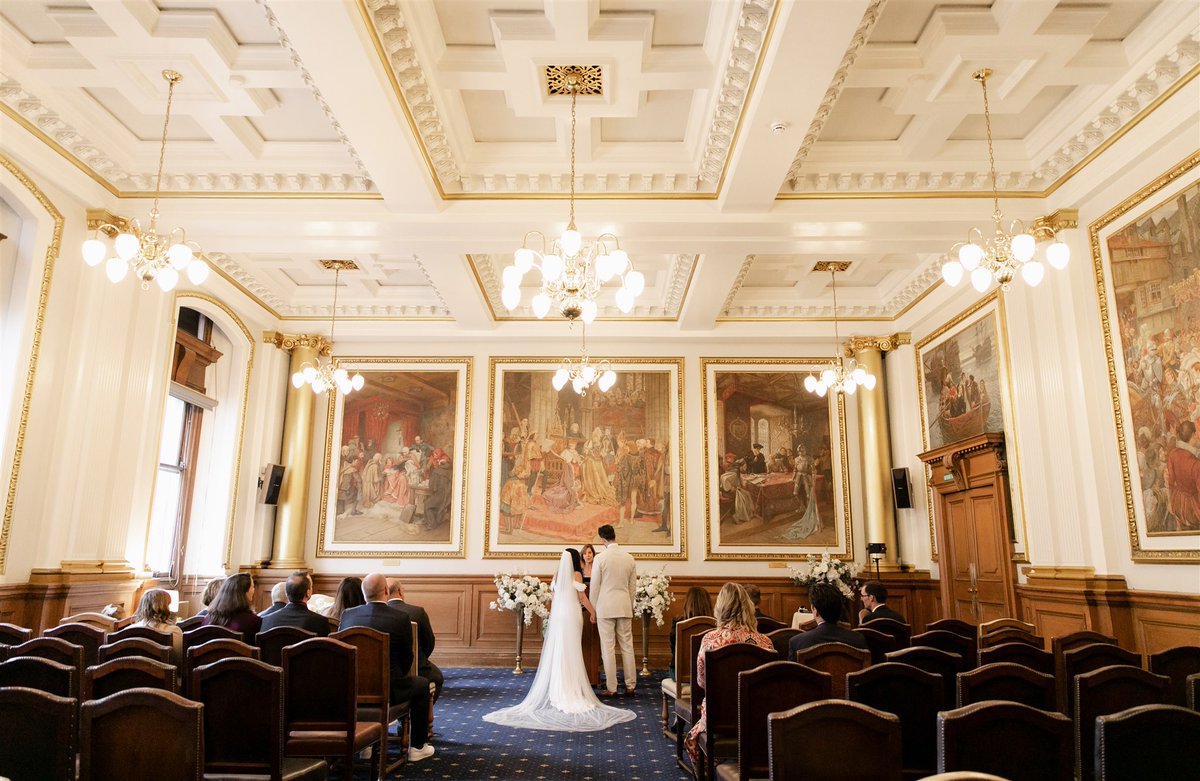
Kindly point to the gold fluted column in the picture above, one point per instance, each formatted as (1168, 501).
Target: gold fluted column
(875, 445)
(295, 454)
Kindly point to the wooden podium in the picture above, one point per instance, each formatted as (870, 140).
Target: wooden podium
(974, 528)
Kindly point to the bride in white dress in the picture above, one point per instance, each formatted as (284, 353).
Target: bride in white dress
(561, 698)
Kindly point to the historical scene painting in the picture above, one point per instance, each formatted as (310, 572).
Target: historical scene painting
(962, 385)
(1155, 264)
(567, 464)
(775, 470)
(395, 477)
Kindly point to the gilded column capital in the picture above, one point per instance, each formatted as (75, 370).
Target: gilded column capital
(290, 342)
(883, 344)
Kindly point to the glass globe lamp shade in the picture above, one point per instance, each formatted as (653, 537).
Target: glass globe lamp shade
(624, 300)
(589, 374)
(552, 267)
(126, 245)
(357, 382)
(810, 383)
(607, 379)
(869, 382)
(523, 259)
(1023, 246)
(969, 256)
(345, 387)
(179, 255)
(309, 373)
(578, 385)
(859, 375)
(167, 279)
(827, 377)
(510, 297)
(511, 276)
(569, 242)
(1059, 254)
(822, 389)
(1032, 272)
(636, 282)
(952, 272)
(116, 269)
(588, 311)
(197, 271)
(94, 252)
(604, 268)
(560, 379)
(620, 261)
(298, 380)
(340, 374)
(849, 386)
(541, 305)
(981, 279)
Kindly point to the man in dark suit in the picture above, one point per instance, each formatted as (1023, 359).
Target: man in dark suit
(278, 599)
(874, 598)
(425, 639)
(295, 613)
(377, 615)
(827, 609)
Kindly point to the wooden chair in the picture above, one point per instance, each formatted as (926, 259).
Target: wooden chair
(1006, 739)
(86, 636)
(1177, 664)
(998, 624)
(687, 708)
(1192, 690)
(780, 639)
(375, 686)
(837, 659)
(913, 696)
(135, 646)
(1150, 741)
(215, 651)
(947, 666)
(11, 634)
(205, 633)
(190, 623)
(128, 672)
(842, 725)
(272, 642)
(722, 666)
(39, 733)
(1012, 635)
(143, 632)
(241, 741)
(770, 688)
(321, 716)
(963, 775)
(1104, 692)
(99, 620)
(880, 643)
(1084, 660)
(116, 730)
(1063, 643)
(30, 672)
(767, 625)
(1035, 659)
(950, 642)
(53, 649)
(901, 631)
(955, 625)
(1009, 683)
(681, 684)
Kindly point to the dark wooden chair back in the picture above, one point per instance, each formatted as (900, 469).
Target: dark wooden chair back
(685, 657)
(880, 643)
(897, 629)
(955, 625)
(135, 646)
(767, 625)
(1012, 635)
(1063, 643)
(190, 623)
(86, 636)
(1177, 664)
(780, 639)
(687, 709)
(1006, 739)
(11, 634)
(1192, 691)
(320, 681)
(1085, 659)
(30, 672)
(39, 735)
(1023, 654)
(214, 651)
(771, 688)
(128, 672)
(116, 730)
(272, 642)
(372, 664)
(51, 648)
(913, 696)
(143, 632)
(1104, 692)
(102, 622)
(837, 659)
(1009, 683)
(205, 633)
(945, 665)
(950, 642)
(722, 666)
(1150, 741)
(999, 624)
(240, 740)
(842, 726)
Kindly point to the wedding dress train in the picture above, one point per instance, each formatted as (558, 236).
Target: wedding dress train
(561, 698)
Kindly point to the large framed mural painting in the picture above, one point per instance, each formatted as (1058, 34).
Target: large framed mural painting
(561, 464)
(963, 391)
(396, 460)
(775, 475)
(1146, 261)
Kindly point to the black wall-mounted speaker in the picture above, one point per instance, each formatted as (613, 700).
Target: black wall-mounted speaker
(900, 488)
(269, 483)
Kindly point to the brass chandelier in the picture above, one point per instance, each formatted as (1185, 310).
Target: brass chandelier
(582, 374)
(845, 376)
(329, 375)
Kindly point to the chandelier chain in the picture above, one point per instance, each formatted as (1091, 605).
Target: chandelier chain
(837, 339)
(574, 97)
(172, 80)
(987, 124)
(337, 273)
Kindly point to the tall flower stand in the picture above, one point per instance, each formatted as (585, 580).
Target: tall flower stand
(520, 613)
(645, 644)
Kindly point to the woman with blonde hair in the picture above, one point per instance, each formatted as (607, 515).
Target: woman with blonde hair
(154, 612)
(735, 624)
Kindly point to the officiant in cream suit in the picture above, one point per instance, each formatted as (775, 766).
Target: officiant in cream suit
(614, 583)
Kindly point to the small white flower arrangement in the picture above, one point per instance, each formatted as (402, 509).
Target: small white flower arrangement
(520, 591)
(835, 571)
(653, 595)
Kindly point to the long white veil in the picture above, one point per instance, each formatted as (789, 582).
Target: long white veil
(560, 697)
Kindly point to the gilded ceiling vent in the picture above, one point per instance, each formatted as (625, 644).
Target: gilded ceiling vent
(832, 265)
(574, 80)
(339, 265)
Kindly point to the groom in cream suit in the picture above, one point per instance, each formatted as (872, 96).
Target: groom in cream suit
(614, 583)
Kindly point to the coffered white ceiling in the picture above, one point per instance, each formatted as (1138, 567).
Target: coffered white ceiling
(417, 137)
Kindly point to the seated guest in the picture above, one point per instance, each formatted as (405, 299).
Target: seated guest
(874, 599)
(349, 594)
(154, 612)
(295, 612)
(695, 603)
(231, 607)
(425, 639)
(278, 599)
(755, 595)
(826, 603)
(210, 593)
(376, 614)
(735, 624)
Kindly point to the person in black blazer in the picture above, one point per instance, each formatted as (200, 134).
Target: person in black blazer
(377, 615)
(425, 639)
(278, 599)
(874, 598)
(827, 609)
(296, 613)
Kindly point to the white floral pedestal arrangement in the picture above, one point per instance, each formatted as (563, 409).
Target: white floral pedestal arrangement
(651, 600)
(526, 596)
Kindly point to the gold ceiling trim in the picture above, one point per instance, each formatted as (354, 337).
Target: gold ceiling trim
(562, 80)
(880, 319)
(832, 266)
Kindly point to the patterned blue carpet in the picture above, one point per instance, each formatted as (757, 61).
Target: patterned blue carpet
(468, 747)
